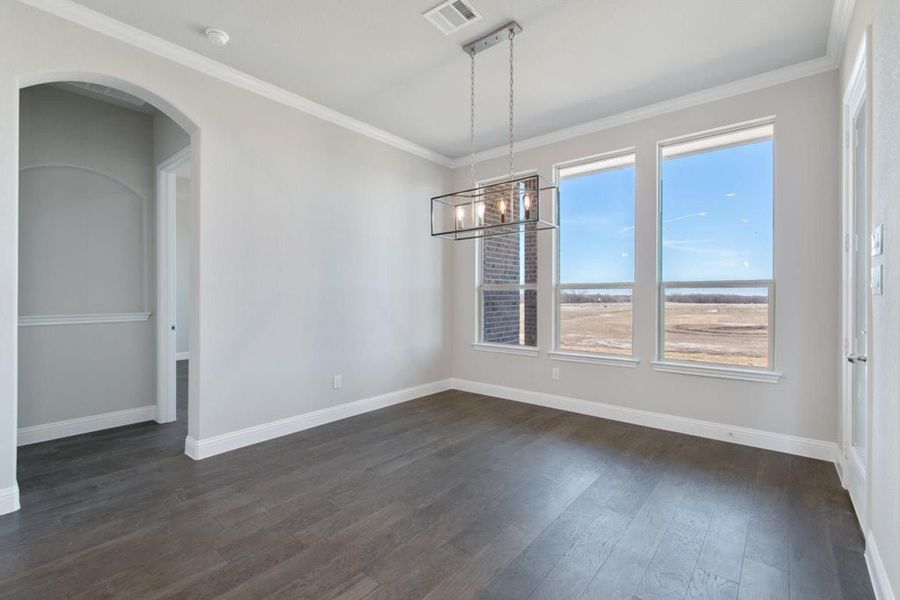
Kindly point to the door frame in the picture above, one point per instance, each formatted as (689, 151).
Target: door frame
(166, 283)
(855, 475)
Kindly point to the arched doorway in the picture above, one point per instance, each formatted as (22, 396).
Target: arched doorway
(91, 245)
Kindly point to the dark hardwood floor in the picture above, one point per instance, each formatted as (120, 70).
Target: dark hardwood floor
(449, 496)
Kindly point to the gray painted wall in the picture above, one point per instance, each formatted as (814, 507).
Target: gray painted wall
(86, 244)
(168, 138)
(805, 402)
(885, 484)
(883, 536)
(312, 256)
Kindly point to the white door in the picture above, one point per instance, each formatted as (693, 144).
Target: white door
(857, 295)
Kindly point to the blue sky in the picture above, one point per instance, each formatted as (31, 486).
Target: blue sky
(597, 227)
(716, 215)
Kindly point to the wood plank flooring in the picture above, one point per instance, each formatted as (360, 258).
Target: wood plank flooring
(450, 496)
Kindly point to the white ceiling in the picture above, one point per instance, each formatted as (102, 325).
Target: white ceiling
(576, 61)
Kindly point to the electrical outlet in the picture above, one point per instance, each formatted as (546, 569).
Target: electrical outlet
(554, 374)
(336, 383)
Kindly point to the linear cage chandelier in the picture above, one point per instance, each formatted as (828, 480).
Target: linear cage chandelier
(507, 207)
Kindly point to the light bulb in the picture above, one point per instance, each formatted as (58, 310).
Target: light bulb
(527, 206)
(479, 211)
(460, 216)
(503, 211)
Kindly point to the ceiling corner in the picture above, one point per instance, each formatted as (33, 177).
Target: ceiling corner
(841, 14)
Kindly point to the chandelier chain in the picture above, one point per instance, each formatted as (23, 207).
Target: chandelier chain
(472, 120)
(512, 36)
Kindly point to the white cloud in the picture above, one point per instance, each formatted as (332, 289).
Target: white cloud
(682, 217)
(700, 247)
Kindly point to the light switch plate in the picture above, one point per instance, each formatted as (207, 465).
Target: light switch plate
(336, 382)
(878, 241)
(877, 285)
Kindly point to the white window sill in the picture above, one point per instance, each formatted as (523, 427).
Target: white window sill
(756, 375)
(594, 359)
(505, 349)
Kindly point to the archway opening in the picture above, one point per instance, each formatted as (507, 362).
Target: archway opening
(106, 250)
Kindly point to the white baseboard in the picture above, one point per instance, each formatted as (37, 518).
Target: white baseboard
(880, 582)
(9, 500)
(757, 438)
(200, 449)
(61, 429)
(182, 355)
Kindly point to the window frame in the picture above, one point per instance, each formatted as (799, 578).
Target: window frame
(557, 352)
(481, 287)
(766, 374)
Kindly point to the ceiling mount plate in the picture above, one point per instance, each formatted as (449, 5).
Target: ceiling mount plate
(492, 39)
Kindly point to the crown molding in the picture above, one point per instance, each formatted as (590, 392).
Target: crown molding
(841, 14)
(95, 21)
(728, 90)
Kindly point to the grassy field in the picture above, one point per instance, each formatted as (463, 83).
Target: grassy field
(729, 333)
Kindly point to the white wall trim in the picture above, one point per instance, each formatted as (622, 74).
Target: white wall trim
(717, 372)
(61, 429)
(608, 360)
(200, 449)
(182, 355)
(721, 92)
(96, 21)
(166, 342)
(48, 320)
(505, 348)
(9, 500)
(757, 438)
(841, 13)
(880, 582)
(139, 38)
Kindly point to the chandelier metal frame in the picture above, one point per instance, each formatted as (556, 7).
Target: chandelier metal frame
(507, 207)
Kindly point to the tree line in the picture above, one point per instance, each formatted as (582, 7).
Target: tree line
(692, 298)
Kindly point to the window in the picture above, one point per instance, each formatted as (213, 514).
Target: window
(508, 282)
(596, 256)
(716, 285)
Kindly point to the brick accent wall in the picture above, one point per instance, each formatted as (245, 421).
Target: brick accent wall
(509, 316)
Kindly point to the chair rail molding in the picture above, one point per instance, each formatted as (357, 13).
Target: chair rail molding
(88, 319)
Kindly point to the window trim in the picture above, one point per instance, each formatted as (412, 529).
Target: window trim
(769, 284)
(601, 358)
(480, 287)
(768, 373)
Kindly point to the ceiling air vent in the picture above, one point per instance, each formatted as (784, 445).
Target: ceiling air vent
(452, 16)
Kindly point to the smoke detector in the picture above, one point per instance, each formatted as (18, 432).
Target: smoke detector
(217, 36)
(452, 15)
